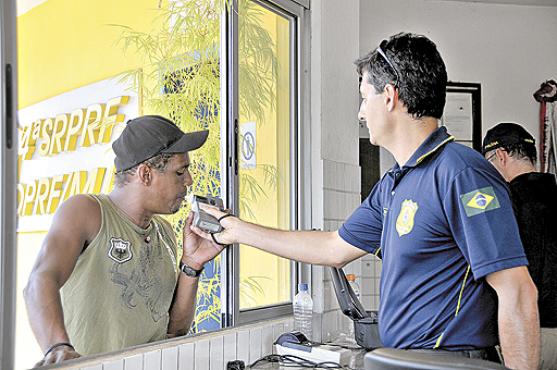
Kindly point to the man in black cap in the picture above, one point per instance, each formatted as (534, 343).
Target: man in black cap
(512, 151)
(107, 276)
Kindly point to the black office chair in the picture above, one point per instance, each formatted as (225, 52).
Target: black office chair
(398, 359)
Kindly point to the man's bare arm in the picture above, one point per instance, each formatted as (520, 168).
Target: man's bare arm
(316, 247)
(519, 326)
(197, 252)
(73, 225)
(182, 311)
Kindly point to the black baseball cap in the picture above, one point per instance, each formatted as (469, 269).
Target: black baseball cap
(505, 134)
(147, 136)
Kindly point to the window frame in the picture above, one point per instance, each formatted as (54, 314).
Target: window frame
(300, 148)
(8, 176)
(300, 171)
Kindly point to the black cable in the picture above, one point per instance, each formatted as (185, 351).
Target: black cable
(295, 361)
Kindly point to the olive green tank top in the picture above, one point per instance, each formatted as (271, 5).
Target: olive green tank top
(120, 291)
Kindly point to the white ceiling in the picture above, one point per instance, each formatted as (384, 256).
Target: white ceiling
(515, 2)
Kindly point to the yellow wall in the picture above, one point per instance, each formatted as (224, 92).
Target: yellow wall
(28, 351)
(65, 44)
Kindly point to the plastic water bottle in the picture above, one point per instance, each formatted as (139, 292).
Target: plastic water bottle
(352, 283)
(303, 311)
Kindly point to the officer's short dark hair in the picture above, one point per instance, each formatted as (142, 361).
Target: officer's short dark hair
(422, 76)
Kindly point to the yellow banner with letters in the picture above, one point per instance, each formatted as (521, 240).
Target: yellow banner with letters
(66, 132)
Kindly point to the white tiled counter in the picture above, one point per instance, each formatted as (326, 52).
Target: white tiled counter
(206, 351)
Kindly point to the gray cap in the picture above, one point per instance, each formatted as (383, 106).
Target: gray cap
(147, 136)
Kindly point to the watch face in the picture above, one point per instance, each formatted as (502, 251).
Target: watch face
(191, 272)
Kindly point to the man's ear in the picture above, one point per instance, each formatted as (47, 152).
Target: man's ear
(502, 156)
(144, 174)
(390, 94)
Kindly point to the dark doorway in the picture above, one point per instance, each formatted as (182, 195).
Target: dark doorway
(369, 166)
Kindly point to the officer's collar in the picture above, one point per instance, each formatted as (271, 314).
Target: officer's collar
(431, 145)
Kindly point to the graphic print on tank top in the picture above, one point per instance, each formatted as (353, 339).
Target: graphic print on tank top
(140, 280)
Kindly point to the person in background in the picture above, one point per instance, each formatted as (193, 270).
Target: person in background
(512, 151)
(454, 276)
(107, 275)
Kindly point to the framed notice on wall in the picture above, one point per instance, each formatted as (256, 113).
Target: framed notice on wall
(463, 113)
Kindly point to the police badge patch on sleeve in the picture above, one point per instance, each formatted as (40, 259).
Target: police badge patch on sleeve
(120, 250)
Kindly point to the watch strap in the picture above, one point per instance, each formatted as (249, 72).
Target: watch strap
(190, 271)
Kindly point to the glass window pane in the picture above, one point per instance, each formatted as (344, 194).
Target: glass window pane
(264, 147)
(87, 67)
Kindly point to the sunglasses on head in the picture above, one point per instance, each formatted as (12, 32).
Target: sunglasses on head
(381, 52)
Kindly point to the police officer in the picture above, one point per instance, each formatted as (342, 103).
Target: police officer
(441, 217)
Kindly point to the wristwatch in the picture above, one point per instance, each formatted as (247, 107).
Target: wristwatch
(189, 271)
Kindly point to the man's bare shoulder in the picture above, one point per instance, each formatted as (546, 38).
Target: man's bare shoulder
(81, 213)
(80, 205)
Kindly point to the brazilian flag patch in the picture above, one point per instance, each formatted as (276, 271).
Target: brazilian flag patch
(479, 201)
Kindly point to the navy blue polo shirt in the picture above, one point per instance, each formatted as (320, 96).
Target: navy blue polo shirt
(442, 222)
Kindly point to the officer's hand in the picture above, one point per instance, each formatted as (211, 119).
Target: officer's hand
(229, 223)
(58, 355)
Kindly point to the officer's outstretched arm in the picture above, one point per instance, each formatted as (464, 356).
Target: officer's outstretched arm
(519, 326)
(316, 247)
